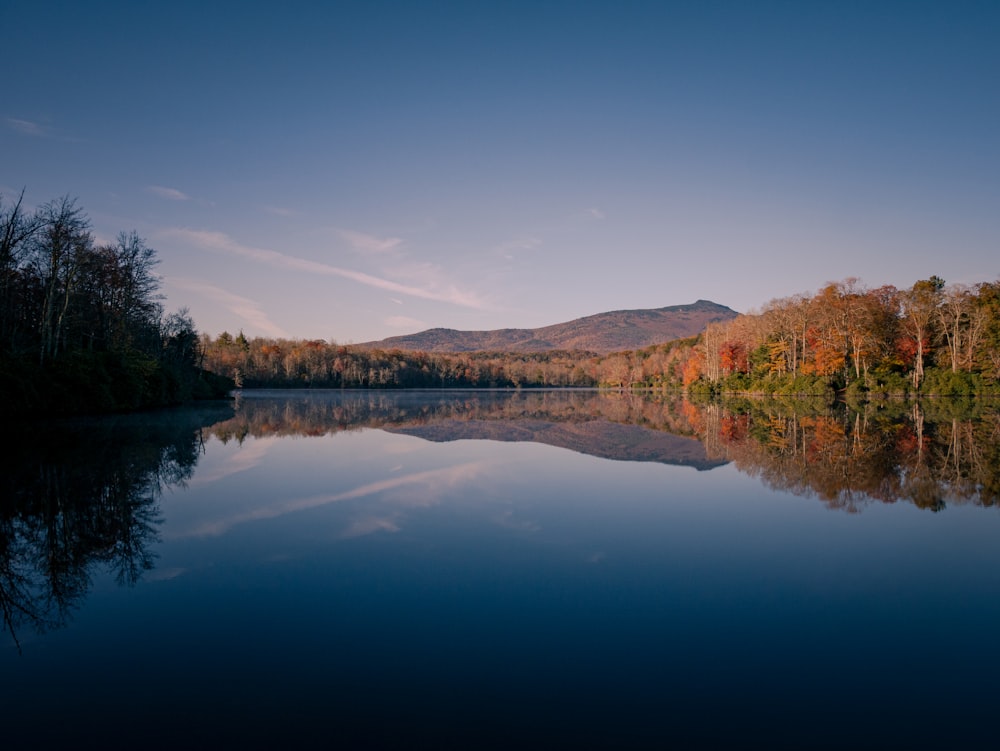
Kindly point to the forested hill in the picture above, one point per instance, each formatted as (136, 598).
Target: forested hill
(602, 333)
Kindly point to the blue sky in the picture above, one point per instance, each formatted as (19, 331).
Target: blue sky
(355, 170)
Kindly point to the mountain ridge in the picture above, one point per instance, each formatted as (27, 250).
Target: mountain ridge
(601, 333)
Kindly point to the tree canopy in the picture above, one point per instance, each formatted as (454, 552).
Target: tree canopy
(82, 327)
(933, 338)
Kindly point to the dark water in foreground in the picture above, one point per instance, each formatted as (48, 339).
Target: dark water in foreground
(538, 570)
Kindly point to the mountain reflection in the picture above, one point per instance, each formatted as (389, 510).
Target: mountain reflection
(931, 453)
(609, 425)
(75, 496)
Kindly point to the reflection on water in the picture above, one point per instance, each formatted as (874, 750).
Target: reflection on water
(503, 569)
(930, 453)
(78, 495)
(607, 425)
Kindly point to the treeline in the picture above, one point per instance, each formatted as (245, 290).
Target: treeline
(933, 339)
(846, 340)
(81, 324)
(286, 363)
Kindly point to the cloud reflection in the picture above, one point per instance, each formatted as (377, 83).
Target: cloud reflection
(421, 489)
(249, 455)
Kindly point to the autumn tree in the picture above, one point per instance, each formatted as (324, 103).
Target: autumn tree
(986, 354)
(919, 309)
(954, 316)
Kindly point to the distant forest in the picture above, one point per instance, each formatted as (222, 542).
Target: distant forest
(847, 339)
(81, 324)
(82, 329)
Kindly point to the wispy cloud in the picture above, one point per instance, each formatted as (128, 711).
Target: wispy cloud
(35, 129)
(280, 211)
(434, 290)
(369, 525)
(171, 194)
(27, 127)
(596, 213)
(244, 308)
(507, 521)
(366, 243)
(511, 248)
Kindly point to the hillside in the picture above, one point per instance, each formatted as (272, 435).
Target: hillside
(602, 333)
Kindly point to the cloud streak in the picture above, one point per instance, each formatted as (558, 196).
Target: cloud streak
(249, 456)
(510, 249)
(27, 127)
(171, 194)
(369, 243)
(34, 129)
(246, 309)
(220, 241)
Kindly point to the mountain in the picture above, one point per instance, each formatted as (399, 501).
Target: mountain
(602, 333)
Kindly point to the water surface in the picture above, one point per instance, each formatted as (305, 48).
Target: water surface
(471, 569)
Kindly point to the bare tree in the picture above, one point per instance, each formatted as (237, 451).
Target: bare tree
(919, 304)
(59, 251)
(128, 290)
(954, 317)
(16, 231)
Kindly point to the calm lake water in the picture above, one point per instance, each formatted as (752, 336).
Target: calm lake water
(502, 569)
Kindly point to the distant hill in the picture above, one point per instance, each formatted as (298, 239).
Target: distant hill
(602, 333)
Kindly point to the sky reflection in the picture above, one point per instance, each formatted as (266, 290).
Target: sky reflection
(366, 587)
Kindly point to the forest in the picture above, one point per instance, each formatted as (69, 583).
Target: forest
(82, 327)
(930, 339)
(845, 341)
(286, 363)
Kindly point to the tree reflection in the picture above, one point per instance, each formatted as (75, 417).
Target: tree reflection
(621, 426)
(78, 495)
(930, 454)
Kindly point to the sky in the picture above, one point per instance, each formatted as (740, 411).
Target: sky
(350, 171)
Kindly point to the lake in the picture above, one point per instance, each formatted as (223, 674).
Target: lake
(532, 569)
